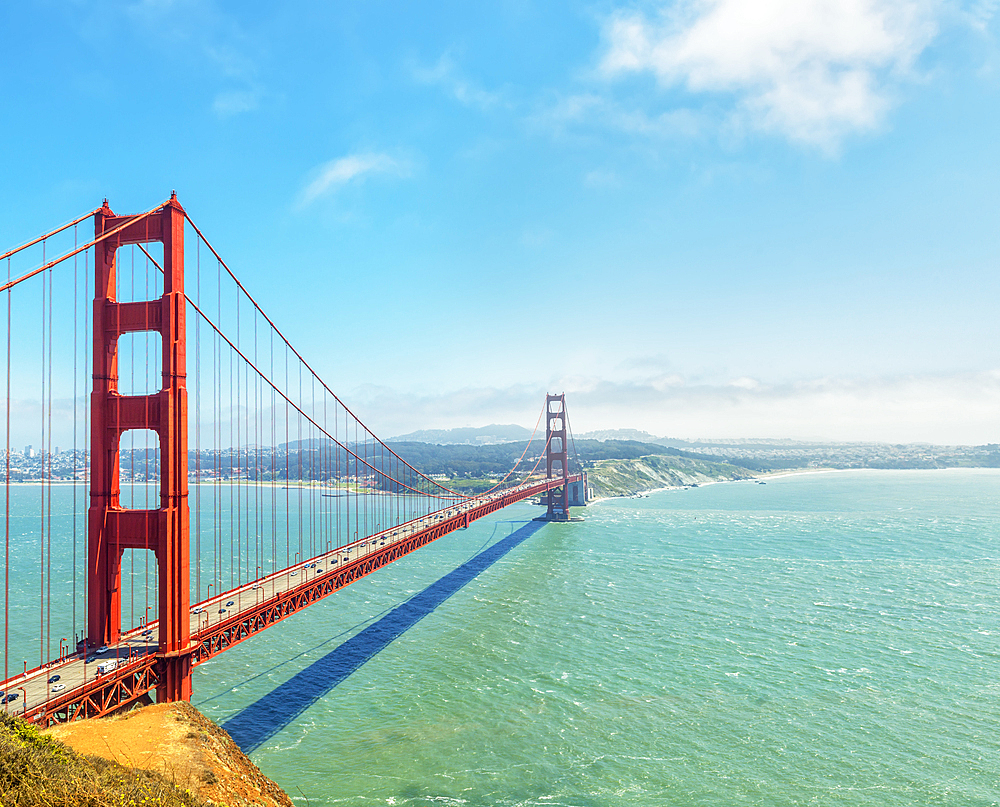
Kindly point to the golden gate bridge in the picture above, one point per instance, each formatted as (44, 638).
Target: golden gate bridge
(293, 496)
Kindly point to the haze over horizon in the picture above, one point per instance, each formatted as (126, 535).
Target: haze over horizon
(701, 218)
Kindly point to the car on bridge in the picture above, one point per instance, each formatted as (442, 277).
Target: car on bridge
(11, 697)
(53, 679)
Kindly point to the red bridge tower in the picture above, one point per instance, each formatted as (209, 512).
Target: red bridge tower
(112, 528)
(556, 455)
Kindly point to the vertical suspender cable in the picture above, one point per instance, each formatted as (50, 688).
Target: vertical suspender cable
(41, 566)
(197, 428)
(233, 562)
(219, 390)
(75, 334)
(368, 492)
(298, 421)
(336, 476)
(246, 433)
(274, 463)
(325, 469)
(6, 506)
(239, 450)
(48, 507)
(357, 485)
(145, 475)
(288, 479)
(131, 453)
(215, 461)
(258, 430)
(232, 495)
(310, 432)
(86, 432)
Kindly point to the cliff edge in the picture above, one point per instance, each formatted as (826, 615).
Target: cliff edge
(631, 476)
(180, 744)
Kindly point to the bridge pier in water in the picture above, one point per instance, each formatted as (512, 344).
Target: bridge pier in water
(112, 528)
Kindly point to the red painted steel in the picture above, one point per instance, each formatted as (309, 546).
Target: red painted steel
(112, 528)
(101, 696)
(555, 430)
(223, 635)
(133, 680)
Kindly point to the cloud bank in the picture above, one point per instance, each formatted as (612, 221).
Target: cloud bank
(947, 409)
(810, 70)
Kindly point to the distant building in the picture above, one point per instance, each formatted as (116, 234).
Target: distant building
(29, 451)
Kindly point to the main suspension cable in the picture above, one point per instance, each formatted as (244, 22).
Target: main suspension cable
(304, 362)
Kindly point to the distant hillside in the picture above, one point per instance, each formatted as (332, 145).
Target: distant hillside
(469, 436)
(619, 477)
(499, 458)
(619, 434)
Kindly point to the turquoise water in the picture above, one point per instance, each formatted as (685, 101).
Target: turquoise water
(246, 531)
(826, 639)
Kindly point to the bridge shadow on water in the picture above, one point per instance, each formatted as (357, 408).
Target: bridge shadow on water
(253, 726)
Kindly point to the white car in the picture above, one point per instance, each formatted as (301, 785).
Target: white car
(58, 687)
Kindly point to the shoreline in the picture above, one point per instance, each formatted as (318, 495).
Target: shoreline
(643, 493)
(777, 474)
(764, 476)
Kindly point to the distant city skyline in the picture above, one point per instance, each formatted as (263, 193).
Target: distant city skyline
(721, 219)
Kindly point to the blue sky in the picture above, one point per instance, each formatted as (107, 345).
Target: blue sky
(705, 218)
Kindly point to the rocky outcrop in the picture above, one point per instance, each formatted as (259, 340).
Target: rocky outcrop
(176, 741)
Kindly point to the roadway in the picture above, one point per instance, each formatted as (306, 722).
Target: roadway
(73, 672)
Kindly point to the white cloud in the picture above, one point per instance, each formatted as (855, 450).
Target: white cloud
(954, 409)
(445, 74)
(944, 409)
(981, 12)
(811, 70)
(338, 172)
(591, 108)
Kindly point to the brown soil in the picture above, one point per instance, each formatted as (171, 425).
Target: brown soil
(176, 740)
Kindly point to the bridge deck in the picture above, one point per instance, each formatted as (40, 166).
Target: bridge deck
(228, 618)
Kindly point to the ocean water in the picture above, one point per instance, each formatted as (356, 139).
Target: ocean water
(826, 639)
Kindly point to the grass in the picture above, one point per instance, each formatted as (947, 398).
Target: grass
(37, 771)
